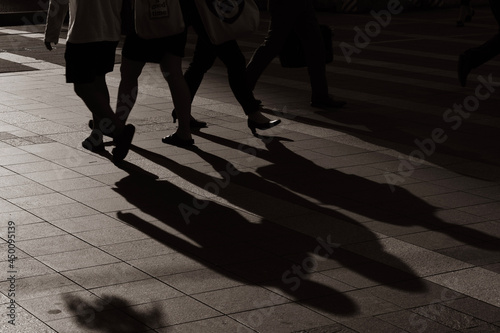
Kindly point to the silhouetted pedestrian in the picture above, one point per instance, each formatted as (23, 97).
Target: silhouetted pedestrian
(168, 53)
(230, 54)
(93, 35)
(296, 16)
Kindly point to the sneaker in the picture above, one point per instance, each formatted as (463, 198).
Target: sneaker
(94, 142)
(123, 142)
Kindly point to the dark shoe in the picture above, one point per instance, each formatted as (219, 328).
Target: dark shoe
(328, 103)
(174, 140)
(91, 126)
(253, 125)
(94, 142)
(193, 123)
(463, 69)
(123, 142)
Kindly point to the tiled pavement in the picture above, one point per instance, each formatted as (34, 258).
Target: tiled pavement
(380, 217)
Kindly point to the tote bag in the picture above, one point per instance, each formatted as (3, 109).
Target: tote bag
(226, 20)
(158, 18)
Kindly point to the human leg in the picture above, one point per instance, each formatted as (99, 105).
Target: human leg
(130, 70)
(171, 67)
(309, 33)
(283, 18)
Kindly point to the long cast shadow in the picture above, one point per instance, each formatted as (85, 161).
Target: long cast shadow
(221, 238)
(353, 193)
(300, 245)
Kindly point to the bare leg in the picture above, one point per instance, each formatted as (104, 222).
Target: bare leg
(129, 86)
(171, 67)
(95, 95)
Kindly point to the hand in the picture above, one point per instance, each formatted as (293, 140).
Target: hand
(48, 46)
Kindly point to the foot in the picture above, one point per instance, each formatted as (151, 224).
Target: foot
(94, 142)
(176, 140)
(257, 120)
(91, 126)
(123, 141)
(327, 102)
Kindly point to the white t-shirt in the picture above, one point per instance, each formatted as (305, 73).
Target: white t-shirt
(89, 20)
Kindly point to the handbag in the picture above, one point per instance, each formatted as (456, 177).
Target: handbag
(158, 18)
(226, 20)
(292, 55)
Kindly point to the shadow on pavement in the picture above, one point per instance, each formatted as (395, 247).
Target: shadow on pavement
(112, 314)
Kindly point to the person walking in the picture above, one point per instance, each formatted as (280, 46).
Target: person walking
(476, 56)
(297, 16)
(168, 53)
(230, 54)
(93, 35)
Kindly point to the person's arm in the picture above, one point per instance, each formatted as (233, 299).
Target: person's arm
(55, 17)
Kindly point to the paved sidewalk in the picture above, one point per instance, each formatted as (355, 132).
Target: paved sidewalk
(380, 217)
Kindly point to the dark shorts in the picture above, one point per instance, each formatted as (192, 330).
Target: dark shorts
(86, 61)
(153, 50)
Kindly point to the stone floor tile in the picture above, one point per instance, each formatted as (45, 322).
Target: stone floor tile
(28, 267)
(139, 292)
(273, 319)
(63, 211)
(33, 231)
(220, 324)
(240, 298)
(202, 280)
(20, 217)
(62, 185)
(24, 322)
(87, 223)
(139, 249)
(27, 190)
(42, 200)
(413, 322)
(311, 286)
(105, 321)
(478, 254)
(106, 236)
(50, 245)
(407, 257)
(414, 293)
(71, 260)
(352, 304)
(436, 240)
(172, 263)
(446, 316)
(42, 285)
(54, 307)
(171, 312)
(105, 275)
(475, 308)
(476, 282)
(371, 324)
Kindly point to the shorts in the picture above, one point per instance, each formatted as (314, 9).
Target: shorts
(153, 50)
(86, 61)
